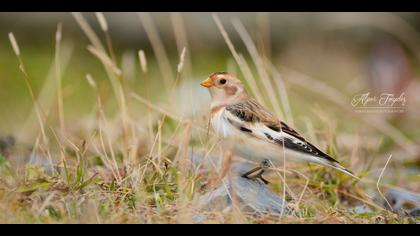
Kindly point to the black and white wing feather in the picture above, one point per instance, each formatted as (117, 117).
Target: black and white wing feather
(253, 119)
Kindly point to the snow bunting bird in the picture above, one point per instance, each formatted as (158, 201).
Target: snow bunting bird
(254, 133)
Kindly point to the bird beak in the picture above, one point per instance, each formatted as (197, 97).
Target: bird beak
(207, 83)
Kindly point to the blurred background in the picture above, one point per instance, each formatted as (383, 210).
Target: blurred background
(335, 47)
(350, 53)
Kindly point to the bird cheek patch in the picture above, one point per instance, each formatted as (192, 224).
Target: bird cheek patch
(230, 90)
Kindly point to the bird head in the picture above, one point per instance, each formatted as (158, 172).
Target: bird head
(225, 88)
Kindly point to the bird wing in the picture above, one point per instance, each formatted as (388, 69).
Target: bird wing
(253, 119)
(250, 118)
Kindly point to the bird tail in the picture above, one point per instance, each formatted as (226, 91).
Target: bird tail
(326, 160)
(331, 162)
(341, 168)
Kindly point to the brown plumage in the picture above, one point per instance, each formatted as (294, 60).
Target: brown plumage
(251, 111)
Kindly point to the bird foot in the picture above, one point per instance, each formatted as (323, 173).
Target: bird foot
(261, 169)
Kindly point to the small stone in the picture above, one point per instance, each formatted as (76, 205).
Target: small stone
(414, 212)
(360, 209)
(402, 201)
(253, 196)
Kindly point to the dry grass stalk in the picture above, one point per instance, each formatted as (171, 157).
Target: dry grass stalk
(108, 63)
(104, 26)
(147, 82)
(114, 73)
(38, 110)
(181, 60)
(184, 164)
(284, 98)
(379, 180)
(102, 21)
(259, 64)
(181, 38)
(264, 29)
(41, 116)
(14, 44)
(246, 71)
(46, 97)
(143, 61)
(172, 91)
(60, 99)
(158, 48)
(112, 70)
(84, 25)
(91, 82)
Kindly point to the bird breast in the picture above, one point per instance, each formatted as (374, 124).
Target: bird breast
(221, 125)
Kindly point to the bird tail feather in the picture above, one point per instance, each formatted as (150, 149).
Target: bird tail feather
(339, 167)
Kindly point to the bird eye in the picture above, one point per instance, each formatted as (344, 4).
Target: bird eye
(222, 81)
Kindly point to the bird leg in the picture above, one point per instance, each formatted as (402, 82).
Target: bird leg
(260, 169)
(247, 174)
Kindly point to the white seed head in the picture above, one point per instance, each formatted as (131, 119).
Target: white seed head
(102, 21)
(58, 33)
(14, 44)
(91, 81)
(143, 61)
(181, 60)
